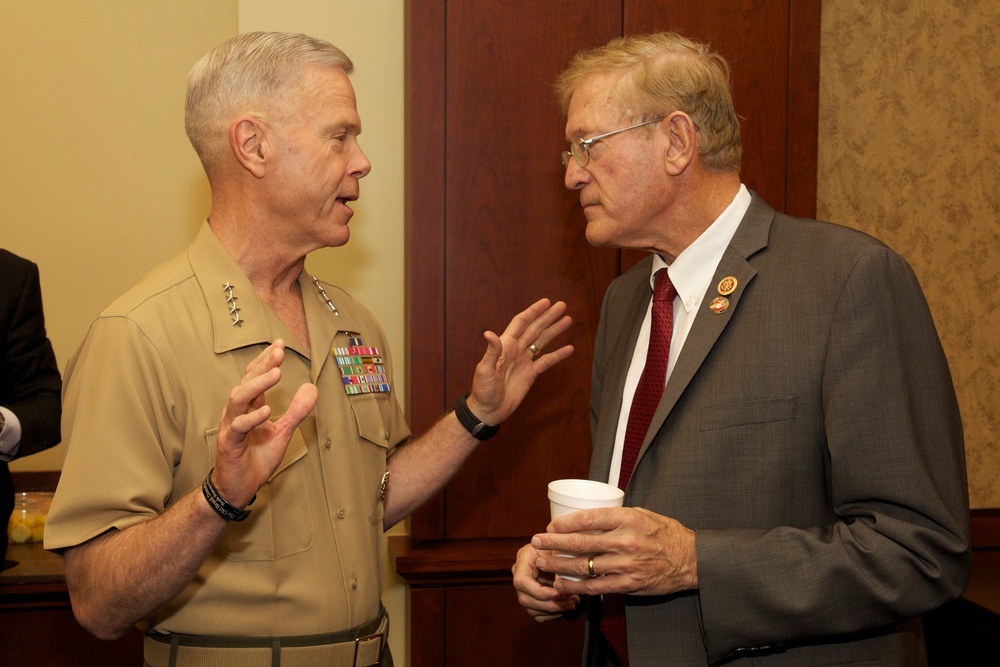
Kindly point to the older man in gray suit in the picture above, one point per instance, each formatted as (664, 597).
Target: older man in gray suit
(798, 492)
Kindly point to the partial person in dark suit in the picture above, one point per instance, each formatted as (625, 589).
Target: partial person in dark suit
(799, 496)
(29, 378)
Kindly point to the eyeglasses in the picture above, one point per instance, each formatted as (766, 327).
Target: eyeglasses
(579, 149)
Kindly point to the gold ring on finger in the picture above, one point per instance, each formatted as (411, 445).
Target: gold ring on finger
(533, 349)
(590, 567)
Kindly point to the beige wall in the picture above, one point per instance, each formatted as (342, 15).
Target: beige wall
(98, 182)
(908, 151)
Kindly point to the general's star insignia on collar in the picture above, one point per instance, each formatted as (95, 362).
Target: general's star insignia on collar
(322, 294)
(234, 311)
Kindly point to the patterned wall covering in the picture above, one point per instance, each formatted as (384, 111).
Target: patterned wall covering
(909, 142)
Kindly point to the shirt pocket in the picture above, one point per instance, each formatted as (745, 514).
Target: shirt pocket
(369, 421)
(280, 521)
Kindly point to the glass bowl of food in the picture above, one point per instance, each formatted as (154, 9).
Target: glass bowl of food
(27, 523)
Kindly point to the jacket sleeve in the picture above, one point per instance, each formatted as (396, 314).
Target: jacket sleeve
(30, 375)
(897, 543)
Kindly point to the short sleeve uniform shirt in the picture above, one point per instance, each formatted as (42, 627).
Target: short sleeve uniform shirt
(142, 404)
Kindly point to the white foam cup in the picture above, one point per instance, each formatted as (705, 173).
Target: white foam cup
(570, 495)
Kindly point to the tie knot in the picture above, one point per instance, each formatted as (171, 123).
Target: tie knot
(663, 289)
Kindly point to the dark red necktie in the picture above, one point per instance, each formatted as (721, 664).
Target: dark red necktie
(647, 397)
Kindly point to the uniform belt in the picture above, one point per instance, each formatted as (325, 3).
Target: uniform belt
(362, 646)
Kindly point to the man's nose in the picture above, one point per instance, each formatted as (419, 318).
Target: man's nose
(361, 166)
(576, 176)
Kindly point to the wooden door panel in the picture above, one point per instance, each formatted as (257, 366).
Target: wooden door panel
(773, 49)
(511, 233)
(753, 36)
(497, 632)
(425, 232)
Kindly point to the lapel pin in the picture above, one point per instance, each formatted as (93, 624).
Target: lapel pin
(727, 285)
(719, 305)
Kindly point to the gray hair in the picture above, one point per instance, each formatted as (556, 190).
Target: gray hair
(248, 72)
(661, 73)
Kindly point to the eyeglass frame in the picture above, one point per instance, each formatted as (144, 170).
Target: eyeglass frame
(583, 145)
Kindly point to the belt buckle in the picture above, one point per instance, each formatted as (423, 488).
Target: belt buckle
(367, 638)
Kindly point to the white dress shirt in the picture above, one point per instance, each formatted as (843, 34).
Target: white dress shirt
(691, 273)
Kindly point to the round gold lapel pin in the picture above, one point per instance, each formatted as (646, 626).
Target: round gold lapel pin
(727, 285)
(719, 305)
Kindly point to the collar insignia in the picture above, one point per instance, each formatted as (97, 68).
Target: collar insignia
(234, 311)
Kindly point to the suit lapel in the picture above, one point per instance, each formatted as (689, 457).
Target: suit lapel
(750, 237)
(621, 348)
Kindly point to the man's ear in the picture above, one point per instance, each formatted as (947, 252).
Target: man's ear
(683, 142)
(247, 143)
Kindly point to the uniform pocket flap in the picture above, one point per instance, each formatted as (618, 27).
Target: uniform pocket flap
(368, 419)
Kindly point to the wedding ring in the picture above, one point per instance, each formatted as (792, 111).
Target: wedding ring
(590, 567)
(533, 349)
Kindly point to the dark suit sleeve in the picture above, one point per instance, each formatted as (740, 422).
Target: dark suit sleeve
(29, 375)
(897, 542)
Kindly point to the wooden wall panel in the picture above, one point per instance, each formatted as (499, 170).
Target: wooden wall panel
(510, 637)
(753, 36)
(802, 129)
(464, 611)
(513, 235)
(772, 47)
(424, 202)
(486, 134)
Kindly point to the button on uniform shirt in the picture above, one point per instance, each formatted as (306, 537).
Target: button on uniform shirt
(141, 413)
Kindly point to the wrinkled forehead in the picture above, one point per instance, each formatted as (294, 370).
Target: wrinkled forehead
(595, 107)
(327, 81)
(323, 89)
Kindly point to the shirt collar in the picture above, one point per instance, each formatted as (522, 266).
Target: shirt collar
(229, 295)
(237, 314)
(692, 271)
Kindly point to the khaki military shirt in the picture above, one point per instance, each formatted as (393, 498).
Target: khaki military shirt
(142, 404)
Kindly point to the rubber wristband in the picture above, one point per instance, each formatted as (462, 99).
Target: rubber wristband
(221, 506)
(471, 422)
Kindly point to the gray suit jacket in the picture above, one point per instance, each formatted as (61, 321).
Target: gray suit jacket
(811, 437)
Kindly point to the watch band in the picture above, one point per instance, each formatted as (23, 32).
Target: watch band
(471, 422)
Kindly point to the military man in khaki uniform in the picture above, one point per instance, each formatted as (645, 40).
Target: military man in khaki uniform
(255, 539)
